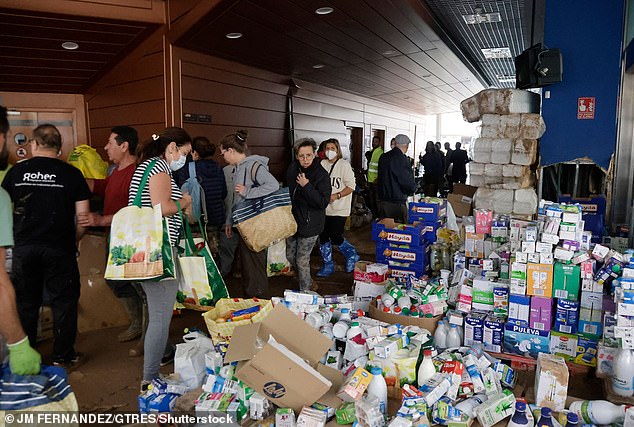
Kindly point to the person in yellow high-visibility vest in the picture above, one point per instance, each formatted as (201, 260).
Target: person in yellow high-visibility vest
(373, 174)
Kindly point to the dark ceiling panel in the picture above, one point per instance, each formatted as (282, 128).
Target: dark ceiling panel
(34, 61)
(418, 54)
(402, 48)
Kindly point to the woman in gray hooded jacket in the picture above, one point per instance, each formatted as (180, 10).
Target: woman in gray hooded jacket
(235, 151)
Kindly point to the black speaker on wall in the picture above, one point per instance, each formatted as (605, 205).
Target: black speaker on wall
(538, 67)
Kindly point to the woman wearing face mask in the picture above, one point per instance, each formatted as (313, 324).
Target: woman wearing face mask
(309, 187)
(170, 150)
(343, 183)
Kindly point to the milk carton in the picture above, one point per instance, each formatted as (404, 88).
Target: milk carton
(493, 333)
(501, 300)
(496, 409)
(483, 295)
(519, 309)
(566, 316)
(474, 328)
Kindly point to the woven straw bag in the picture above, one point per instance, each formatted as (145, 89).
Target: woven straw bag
(265, 220)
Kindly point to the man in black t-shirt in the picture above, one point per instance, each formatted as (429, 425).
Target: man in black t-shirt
(47, 195)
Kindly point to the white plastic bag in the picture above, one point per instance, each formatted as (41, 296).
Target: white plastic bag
(189, 361)
(276, 262)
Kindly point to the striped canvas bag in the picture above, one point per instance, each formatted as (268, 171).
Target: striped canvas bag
(264, 220)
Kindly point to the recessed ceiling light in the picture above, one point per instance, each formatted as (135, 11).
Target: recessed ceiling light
(70, 45)
(324, 10)
(318, 66)
(389, 52)
(233, 35)
(482, 18)
(496, 52)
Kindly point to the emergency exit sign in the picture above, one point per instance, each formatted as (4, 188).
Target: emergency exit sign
(585, 108)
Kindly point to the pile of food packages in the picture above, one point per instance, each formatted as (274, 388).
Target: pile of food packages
(429, 334)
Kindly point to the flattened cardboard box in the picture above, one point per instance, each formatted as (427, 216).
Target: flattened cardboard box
(283, 369)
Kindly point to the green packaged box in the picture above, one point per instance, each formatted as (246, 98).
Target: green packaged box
(567, 280)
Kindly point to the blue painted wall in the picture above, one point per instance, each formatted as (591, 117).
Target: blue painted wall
(589, 34)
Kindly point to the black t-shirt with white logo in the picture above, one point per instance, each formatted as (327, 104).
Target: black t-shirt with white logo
(44, 191)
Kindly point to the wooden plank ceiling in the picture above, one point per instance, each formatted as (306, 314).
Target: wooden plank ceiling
(390, 50)
(33, 59)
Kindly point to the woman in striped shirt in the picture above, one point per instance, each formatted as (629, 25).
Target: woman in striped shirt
(170, 150)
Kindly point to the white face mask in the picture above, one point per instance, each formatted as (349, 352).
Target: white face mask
(330, 154)
(177, 164)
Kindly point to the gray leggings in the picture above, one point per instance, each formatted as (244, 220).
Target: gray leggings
(298, 251)
(160, 300)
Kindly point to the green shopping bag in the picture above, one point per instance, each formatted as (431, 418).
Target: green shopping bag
(140, 247)
(193, 291)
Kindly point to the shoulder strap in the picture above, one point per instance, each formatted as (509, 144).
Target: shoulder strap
(192, 169)
(254, 172)
(146, 175)
(332, 167)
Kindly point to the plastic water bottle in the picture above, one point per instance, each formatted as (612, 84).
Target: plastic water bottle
(345, 315)
(623, 373)
(440, 335)
(572, 420)
(519, 418)
(598, 412)
(453, 337)
(546, 419)
(378, 388)
(426, 370)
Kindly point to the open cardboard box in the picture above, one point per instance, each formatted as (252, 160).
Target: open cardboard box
(285, 369)
(461, 198)
(428, 323)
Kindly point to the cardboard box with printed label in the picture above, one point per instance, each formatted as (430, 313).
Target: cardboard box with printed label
(279, 356)
(541, 313)
(430, 210)
(387, 230)
(428, 323)
(361, 273)
(539, 280)
(461, 199)
(564, 345)
(566, 281)
(411, 257)
(524, 341)
(551, 382)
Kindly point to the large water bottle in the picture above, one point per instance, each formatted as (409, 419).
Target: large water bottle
(623, 373)
(440, 335)
(453, 337)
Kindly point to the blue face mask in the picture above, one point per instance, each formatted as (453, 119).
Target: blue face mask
(177, 164)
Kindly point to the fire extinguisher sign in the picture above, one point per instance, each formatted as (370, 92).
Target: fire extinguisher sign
(585, 108)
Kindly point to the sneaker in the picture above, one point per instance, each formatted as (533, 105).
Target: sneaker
(70, 364)
(168, 358)
(144, 386)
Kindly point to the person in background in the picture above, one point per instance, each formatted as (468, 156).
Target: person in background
(23, 360)
(343, 183)
(120, 148)
(438, 148)
(310, 190)
(229, 238)
(169, 154)
(396, 180)
(235, 152)
(448, 167)
(434, 170)
(212, 179)
(459, 160)
(48, 195)
(373, 173)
